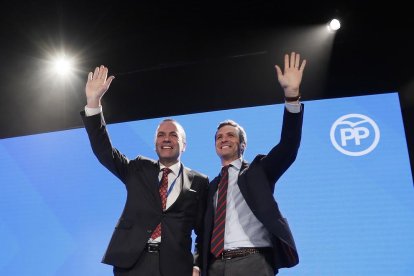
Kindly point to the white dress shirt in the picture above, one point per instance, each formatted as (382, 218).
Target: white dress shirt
(242, 228)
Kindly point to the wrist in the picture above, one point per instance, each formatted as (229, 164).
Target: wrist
(93, 103)
(294, 99)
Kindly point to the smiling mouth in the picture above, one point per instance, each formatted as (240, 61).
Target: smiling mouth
(225, 147)
(166, 147)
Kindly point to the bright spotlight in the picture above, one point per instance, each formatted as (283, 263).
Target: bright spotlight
(62, 65)
(334, 25)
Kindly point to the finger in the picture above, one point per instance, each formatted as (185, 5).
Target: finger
(104, 73)
(95, 73)
(297, 60)
(286, 62)
(90, 76)
(101, 72)
(292, 59)
(302, 66)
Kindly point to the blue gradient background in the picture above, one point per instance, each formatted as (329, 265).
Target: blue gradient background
(349, 215)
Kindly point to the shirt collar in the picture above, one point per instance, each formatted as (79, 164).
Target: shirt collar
(174, 168)
(237, 163)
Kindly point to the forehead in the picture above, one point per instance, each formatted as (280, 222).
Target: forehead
(167, 127)
(227, 129)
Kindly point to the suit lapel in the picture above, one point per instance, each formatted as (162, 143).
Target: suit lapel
(188, 177)
(244, 166)
(241, 181)
(240, 178)
(152, 182)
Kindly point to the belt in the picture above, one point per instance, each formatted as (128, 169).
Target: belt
(152, 247)
(241, 252)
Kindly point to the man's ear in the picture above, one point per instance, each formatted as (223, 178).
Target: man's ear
(242, 147)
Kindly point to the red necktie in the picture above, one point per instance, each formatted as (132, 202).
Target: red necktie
(217, 238)
(163, 195)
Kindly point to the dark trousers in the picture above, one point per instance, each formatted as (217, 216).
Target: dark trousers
(257, 264)
(147, 265)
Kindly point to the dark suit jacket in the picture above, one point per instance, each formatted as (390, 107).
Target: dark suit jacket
(257, 183)
(143, 208)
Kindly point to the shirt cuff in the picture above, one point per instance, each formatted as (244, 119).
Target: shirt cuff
(293, 107)
(90, 111)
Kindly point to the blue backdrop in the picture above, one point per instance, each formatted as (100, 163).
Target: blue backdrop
(348, 197)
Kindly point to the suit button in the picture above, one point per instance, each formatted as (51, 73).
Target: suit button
(149, 231)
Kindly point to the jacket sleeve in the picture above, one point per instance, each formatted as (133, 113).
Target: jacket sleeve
(281, 157)
(107, 155)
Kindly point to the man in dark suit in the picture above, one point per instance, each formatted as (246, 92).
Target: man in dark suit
(244, 233)
(165, 200)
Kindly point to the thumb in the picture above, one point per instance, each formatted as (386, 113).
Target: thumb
(278, 72)
(109, 80)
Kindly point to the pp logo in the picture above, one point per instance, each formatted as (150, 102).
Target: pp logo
(355, 134)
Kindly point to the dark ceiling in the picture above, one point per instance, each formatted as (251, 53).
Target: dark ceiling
(180, 57)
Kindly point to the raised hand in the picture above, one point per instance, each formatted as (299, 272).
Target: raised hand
(96, 86)
(291, 78)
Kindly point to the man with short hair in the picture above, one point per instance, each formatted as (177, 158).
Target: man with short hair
(244, 232)
(165, 200)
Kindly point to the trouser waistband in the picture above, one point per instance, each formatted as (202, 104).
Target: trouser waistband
(152, 247)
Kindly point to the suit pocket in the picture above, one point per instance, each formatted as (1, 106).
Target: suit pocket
(124, 224)
(193, 194)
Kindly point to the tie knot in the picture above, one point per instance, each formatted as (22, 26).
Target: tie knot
(225, 169)
(166, 171)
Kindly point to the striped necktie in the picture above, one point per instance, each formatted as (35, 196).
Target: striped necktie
(217, 238)
(163, 195)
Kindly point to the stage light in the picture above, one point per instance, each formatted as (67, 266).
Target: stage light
(334, 25)
(62, 65)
